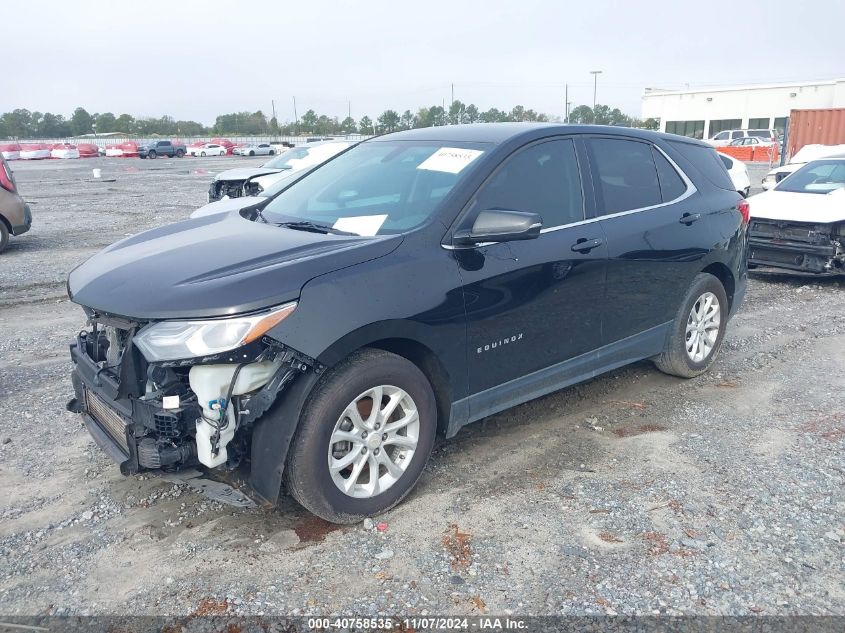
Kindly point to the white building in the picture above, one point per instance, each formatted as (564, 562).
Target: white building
(704, 112)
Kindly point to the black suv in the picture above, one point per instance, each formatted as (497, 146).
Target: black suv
(319, 340)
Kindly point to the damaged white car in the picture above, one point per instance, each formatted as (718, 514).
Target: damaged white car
(252, 181)
(800, 224)
(801, 158)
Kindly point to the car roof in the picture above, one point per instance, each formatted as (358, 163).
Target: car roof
(498, 133)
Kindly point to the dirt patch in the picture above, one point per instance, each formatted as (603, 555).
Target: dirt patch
(313, 529)
(639, 430)
(458, 546)
(658, 543)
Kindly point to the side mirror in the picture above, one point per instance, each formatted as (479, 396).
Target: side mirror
(500, 225)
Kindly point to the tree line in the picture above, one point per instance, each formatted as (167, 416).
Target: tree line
(25, 124)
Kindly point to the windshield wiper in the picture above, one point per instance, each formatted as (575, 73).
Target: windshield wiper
(314, 228)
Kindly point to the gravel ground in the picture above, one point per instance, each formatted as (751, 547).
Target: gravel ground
(635, 493)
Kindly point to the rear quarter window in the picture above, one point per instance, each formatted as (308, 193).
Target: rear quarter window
(706, 161)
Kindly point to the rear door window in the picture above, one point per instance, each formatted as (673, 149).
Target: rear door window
(737, 134)
(624, 174)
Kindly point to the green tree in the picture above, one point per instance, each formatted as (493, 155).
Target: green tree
(18, 123)
(437, 115)
(81, 122)
(365, 125)
(53, 126)
(348, 126)
(471, 115)
(106, 122)
(308, 122)
(406, 122)
(581, 114)
(388, 121)
(493, 115)
(456, 113)
(124, 123)
(274, 126)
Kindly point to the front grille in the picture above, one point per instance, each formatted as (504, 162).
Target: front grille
(107, 418)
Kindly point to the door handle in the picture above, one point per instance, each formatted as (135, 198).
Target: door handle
(689, 218)
(583, 245)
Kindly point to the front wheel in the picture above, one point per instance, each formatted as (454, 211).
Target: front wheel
(151, 154)
(698, 329)
(202, 153)
(251, 153)
(364, 437)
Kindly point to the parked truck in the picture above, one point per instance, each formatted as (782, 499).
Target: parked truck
(154, 149)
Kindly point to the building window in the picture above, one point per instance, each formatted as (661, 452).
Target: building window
(759, 124)
(780, 124)
(723, 124)
(693, 129)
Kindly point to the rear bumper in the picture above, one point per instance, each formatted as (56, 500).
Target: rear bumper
(23, 227)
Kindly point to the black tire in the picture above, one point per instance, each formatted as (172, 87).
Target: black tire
(251, 153)
(307, 474)
(202, 154)
(272, 152)
(142, 156)
(179, 153)
(151, 154)
(674, 359)
(4, 236)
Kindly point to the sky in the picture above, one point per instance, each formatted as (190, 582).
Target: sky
(196, 59)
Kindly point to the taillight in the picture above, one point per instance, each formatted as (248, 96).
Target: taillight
(6, 179)
(744, 210)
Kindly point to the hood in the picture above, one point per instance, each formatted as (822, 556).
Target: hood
(245, 173)
(799, 207)
(229, 204)
(267, 180)
(214, 266)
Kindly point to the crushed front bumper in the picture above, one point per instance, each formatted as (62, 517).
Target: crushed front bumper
(797, 246)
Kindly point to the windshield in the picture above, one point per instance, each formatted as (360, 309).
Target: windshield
(376, 188)
(816, 177)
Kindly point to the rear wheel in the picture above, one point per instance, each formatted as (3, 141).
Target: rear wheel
(179, 153)
(4, 236)
(364, 437)
(272, 152)
(698, 329)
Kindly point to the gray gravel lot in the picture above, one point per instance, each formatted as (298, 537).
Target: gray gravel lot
(635, 493)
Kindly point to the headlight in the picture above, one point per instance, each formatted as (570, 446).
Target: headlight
(770, 178)
(176, 340)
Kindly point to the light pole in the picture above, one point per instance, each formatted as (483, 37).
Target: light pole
(595, 74)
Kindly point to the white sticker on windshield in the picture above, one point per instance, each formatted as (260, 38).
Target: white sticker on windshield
(361, 224)
(450, 159)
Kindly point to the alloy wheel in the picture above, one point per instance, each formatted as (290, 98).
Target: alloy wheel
(703, 325)
(373, 441)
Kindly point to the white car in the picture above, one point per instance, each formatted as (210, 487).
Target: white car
(799, 225)
(738, 173)
(726, 136)
(801, 158)
(209, 149)
(256, 149)
(249, 181)
(64, 151)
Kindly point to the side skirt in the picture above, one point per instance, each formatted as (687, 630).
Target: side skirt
(569, 372)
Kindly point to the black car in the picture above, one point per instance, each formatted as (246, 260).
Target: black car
(318, 341)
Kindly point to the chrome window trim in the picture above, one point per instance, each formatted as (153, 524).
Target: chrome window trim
(691, 190)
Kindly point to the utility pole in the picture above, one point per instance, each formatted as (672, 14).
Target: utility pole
(349, 109)
(453, 96)
(595, 74)
(295, 119)
(566, 103)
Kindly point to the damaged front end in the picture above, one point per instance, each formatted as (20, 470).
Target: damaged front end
(222, 189)
(800, 246)
(175, 414)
